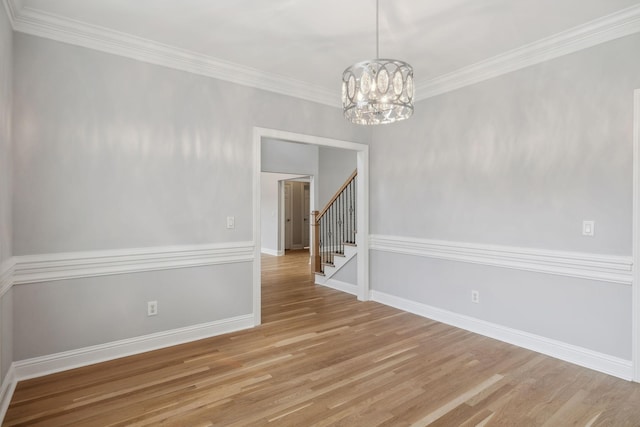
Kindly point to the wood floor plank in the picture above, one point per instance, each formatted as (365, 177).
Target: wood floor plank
(322, 358)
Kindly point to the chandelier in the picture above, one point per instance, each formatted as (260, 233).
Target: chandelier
(377, 91)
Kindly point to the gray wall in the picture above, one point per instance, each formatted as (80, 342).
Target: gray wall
(269, 206)
(6, 68)
(335, 166)
(348, 273)
(284, 157)
(63, 315)
(289, 157)
(519, 160)
(6, 232)
(113, 153)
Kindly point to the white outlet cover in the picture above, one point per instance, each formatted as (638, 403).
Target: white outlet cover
(152, 308)
(475, 296)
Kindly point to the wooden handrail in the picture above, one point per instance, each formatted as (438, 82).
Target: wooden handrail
(335, 196)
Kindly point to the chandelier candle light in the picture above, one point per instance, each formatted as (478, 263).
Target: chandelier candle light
(377, 91)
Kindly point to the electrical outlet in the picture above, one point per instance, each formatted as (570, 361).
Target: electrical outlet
(475, 297)
(152, 308)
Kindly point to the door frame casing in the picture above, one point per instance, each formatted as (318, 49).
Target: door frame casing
(635, 307)
(287, 223)
(362, 200)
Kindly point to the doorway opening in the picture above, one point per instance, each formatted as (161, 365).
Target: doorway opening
(285, 153)
(297, 211)
(285, 203)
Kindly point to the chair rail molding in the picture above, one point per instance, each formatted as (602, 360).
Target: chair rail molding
(73, 265)
(605, 268)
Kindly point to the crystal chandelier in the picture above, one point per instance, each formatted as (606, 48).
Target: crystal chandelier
(377, 91)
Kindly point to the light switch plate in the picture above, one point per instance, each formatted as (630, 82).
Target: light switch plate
(231, 222)
(588, 228)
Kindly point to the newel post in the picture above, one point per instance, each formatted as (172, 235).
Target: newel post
(316, 242)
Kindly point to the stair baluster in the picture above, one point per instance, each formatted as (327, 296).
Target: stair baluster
(335, 225)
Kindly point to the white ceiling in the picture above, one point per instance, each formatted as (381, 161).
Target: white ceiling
(313, 41)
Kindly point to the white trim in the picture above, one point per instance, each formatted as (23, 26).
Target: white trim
(362, 153)
(6, 275)
(11, 6)
(601, 30)
(73, 265)
(362, 226)
(272, 252)
(282, 217)
(607, 364)
(60, 28)
(338, 263)
(605, 268)
(45, 365)
(341, 286)
(635, 329)
(55, 27)
(9, 383)
(257, 224)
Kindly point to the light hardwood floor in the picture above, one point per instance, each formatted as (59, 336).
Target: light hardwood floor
(323, 358)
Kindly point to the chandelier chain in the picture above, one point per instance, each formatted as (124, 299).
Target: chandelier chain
(377, 29)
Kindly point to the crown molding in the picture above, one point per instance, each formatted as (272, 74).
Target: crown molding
(55, 27)
(609, 27)
(10, 6)
(59, 28)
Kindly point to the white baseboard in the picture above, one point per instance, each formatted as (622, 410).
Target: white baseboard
(45, 365)
(272, 252)
(607, 364)
(340, 286)
(6, 391)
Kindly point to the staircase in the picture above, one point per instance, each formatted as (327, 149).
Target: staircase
(339, 261)
(334, 237)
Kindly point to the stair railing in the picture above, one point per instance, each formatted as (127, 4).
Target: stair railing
(335, 225)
